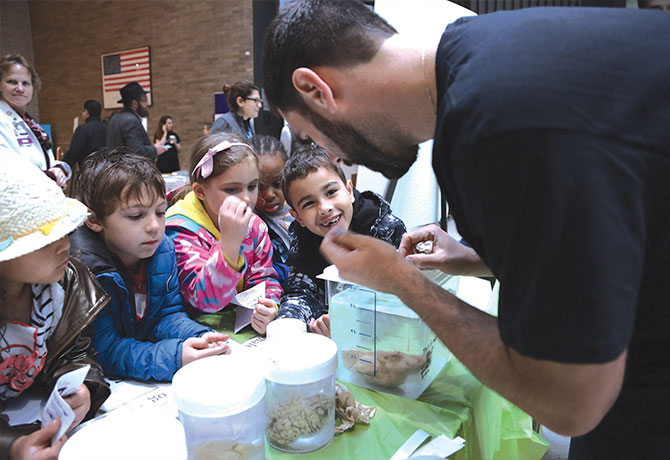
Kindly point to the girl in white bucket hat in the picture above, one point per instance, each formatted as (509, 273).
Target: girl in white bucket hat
(47, 299)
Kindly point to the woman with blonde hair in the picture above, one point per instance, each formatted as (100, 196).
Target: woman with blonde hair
(20, 133)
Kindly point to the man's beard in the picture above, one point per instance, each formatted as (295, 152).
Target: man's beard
(358, 149)
(141, 111)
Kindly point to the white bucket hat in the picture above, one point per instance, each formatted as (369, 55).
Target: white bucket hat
(34, 212)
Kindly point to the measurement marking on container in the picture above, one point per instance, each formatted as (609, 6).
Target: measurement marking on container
(364, 322)
(364, 348)
(365, 335)
(365, 360)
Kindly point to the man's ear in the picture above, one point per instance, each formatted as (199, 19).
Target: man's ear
(94, 223)
(314, 89)
(199, 192)
(296, 217)
(350, 189)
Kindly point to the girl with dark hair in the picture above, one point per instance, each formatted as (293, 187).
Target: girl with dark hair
(168, 161)
(271, 205)
(244, 100)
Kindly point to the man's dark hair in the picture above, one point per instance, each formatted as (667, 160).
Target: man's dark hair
(307, 160)
(111, 177)
(310, 33)
(93, 107)
(128, 103)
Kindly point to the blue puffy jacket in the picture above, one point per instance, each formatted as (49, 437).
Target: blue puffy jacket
(145, 349)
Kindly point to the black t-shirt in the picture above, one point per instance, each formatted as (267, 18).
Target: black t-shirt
(169, 160)
(552, 147)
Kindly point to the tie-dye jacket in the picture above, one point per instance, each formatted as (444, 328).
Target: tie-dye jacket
(207, 281)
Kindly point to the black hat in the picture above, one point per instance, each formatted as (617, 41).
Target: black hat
(131, 91)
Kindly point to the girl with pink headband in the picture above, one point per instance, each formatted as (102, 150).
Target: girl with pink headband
(222, 247)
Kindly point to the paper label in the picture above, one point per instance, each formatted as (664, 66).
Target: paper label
(246, 303)
(57, 407)
(253, 343)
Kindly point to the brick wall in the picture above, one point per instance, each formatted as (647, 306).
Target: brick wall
(196, 47)
(15, 37)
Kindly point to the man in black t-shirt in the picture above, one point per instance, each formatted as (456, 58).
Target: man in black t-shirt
(552, 147)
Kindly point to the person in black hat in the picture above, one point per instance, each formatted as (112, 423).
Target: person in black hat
(125, 128)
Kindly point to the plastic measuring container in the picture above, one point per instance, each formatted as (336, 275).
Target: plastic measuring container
(382, 344)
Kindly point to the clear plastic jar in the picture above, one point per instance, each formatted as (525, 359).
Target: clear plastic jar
(300, 392)
(220, 403)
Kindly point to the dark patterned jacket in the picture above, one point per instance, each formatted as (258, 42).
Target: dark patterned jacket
(304, 294)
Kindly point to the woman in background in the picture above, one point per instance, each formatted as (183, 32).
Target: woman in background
(169, 161)
(20, 133)
(244, 100)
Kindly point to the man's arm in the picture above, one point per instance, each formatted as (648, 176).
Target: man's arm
(77, 147)
(137, 139)
(570, 399)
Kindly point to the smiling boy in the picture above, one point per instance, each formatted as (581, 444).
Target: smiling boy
(322, 199)
(144, 332)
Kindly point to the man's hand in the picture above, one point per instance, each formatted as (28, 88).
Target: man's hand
(366, 260)
(209, 344)
(265, 311)
(80, 402)
(37, 445)
(234, 217)
(320, 325)
(443, 252)
(160, 148)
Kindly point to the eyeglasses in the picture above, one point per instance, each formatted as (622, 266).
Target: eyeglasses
(257, 100)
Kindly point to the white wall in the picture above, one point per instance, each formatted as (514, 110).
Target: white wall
(416, 199)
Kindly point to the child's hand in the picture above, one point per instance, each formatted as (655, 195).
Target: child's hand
(265, 311)
(234, 217)
(321, 325)
(209, 344)
(80, 402)
(37, 445)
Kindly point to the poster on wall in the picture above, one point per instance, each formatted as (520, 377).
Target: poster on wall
(123, 67)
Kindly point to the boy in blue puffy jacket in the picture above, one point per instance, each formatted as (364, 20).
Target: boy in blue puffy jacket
(144, 332)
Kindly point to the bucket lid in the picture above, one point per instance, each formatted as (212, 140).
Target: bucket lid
(300, 358)
(219, 385)
(285, 326)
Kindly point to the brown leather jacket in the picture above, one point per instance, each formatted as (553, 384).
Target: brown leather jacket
(68, 347)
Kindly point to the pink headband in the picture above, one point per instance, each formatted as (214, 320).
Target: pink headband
(206, 163)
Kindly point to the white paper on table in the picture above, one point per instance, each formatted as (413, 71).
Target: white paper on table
(253, 343)
(124, 391)
(246, 303)
(57, 407)
(440, 447)
(160, 398)
(409, 446)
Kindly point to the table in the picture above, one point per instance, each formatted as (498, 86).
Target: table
(455, 404)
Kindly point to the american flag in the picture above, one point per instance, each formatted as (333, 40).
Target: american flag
(121, 68)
